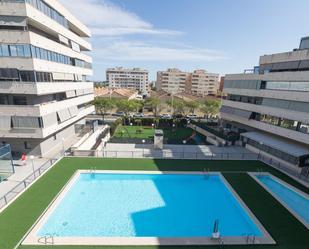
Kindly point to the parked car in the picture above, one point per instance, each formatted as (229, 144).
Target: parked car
(119, 114)
(138, 115)
(166, 116)
(192, 116)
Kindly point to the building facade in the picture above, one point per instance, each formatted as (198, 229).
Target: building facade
(136, 79)
(204, 83)
(200, 82)
(173, 81)
(44, 90)
(270, 106)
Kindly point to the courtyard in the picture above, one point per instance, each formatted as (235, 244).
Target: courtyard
(286, 230)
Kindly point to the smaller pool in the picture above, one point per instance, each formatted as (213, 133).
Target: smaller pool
(294, 200)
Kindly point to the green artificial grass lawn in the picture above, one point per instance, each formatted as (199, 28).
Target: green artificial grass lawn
(285, 229)
(171, 135)
(133, 132)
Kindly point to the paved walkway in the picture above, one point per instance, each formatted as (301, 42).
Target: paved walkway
(22, 172)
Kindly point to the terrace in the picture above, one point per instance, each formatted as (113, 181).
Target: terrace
(284, 228)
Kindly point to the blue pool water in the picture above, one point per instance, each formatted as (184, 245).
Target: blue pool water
(148, 205)
(291, 198)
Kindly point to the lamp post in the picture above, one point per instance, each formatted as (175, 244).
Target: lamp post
(184, 142)
(32, 161)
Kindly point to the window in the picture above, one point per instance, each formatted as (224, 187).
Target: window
(26, 76)
(19, 100)
(20, 50)
(13, 50)
(5, 50)
(37, 52)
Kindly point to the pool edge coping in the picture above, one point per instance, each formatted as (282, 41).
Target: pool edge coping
(289, 186)
(30, 238)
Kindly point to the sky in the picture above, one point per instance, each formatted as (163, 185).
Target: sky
(220, 36)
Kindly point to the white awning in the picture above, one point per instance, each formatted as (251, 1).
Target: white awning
(73, 111)
(70, 94)
(63, 76)
(5, 123)
(50, 119)
(63, 39)
(64, 115)
(79, 92)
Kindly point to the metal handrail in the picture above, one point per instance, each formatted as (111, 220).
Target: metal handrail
(23, 184)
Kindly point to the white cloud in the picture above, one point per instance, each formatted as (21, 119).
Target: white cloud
(107, 19)
(141, 51)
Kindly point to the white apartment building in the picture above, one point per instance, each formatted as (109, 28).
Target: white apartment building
(136, 79)
(200, 82)
(204, 83)
(44, 90)
(270, 106)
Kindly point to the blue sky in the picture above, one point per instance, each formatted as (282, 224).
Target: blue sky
(223, 36)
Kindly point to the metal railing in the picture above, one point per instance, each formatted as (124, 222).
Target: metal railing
(9, 196)
(283, 167)
(166, 154)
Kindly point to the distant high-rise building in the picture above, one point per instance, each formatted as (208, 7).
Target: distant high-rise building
(270, 106)
(44, 90)
(200, 82)
(135, 78)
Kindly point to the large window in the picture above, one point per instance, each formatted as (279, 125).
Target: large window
(281, 122)
(26, 50)
(287, 85)
(49, 11)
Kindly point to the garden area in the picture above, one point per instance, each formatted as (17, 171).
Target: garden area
(145, 134)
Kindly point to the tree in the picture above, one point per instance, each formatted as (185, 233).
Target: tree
(210, 107)
(177, 105)
(103, 105)
(192, 105)
(154, 103)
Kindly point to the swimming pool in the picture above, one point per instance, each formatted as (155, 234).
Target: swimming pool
(147, 205)
(294, 200)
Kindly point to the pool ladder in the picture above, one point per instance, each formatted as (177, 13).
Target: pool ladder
(47, 239)
(250, 239)
(206, 173)
(92, 171)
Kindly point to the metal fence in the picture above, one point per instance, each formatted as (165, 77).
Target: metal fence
(301, 174)
(166, 154)
(8, 197)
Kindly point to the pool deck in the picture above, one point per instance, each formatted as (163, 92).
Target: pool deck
(306, 196)
(31, 237)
